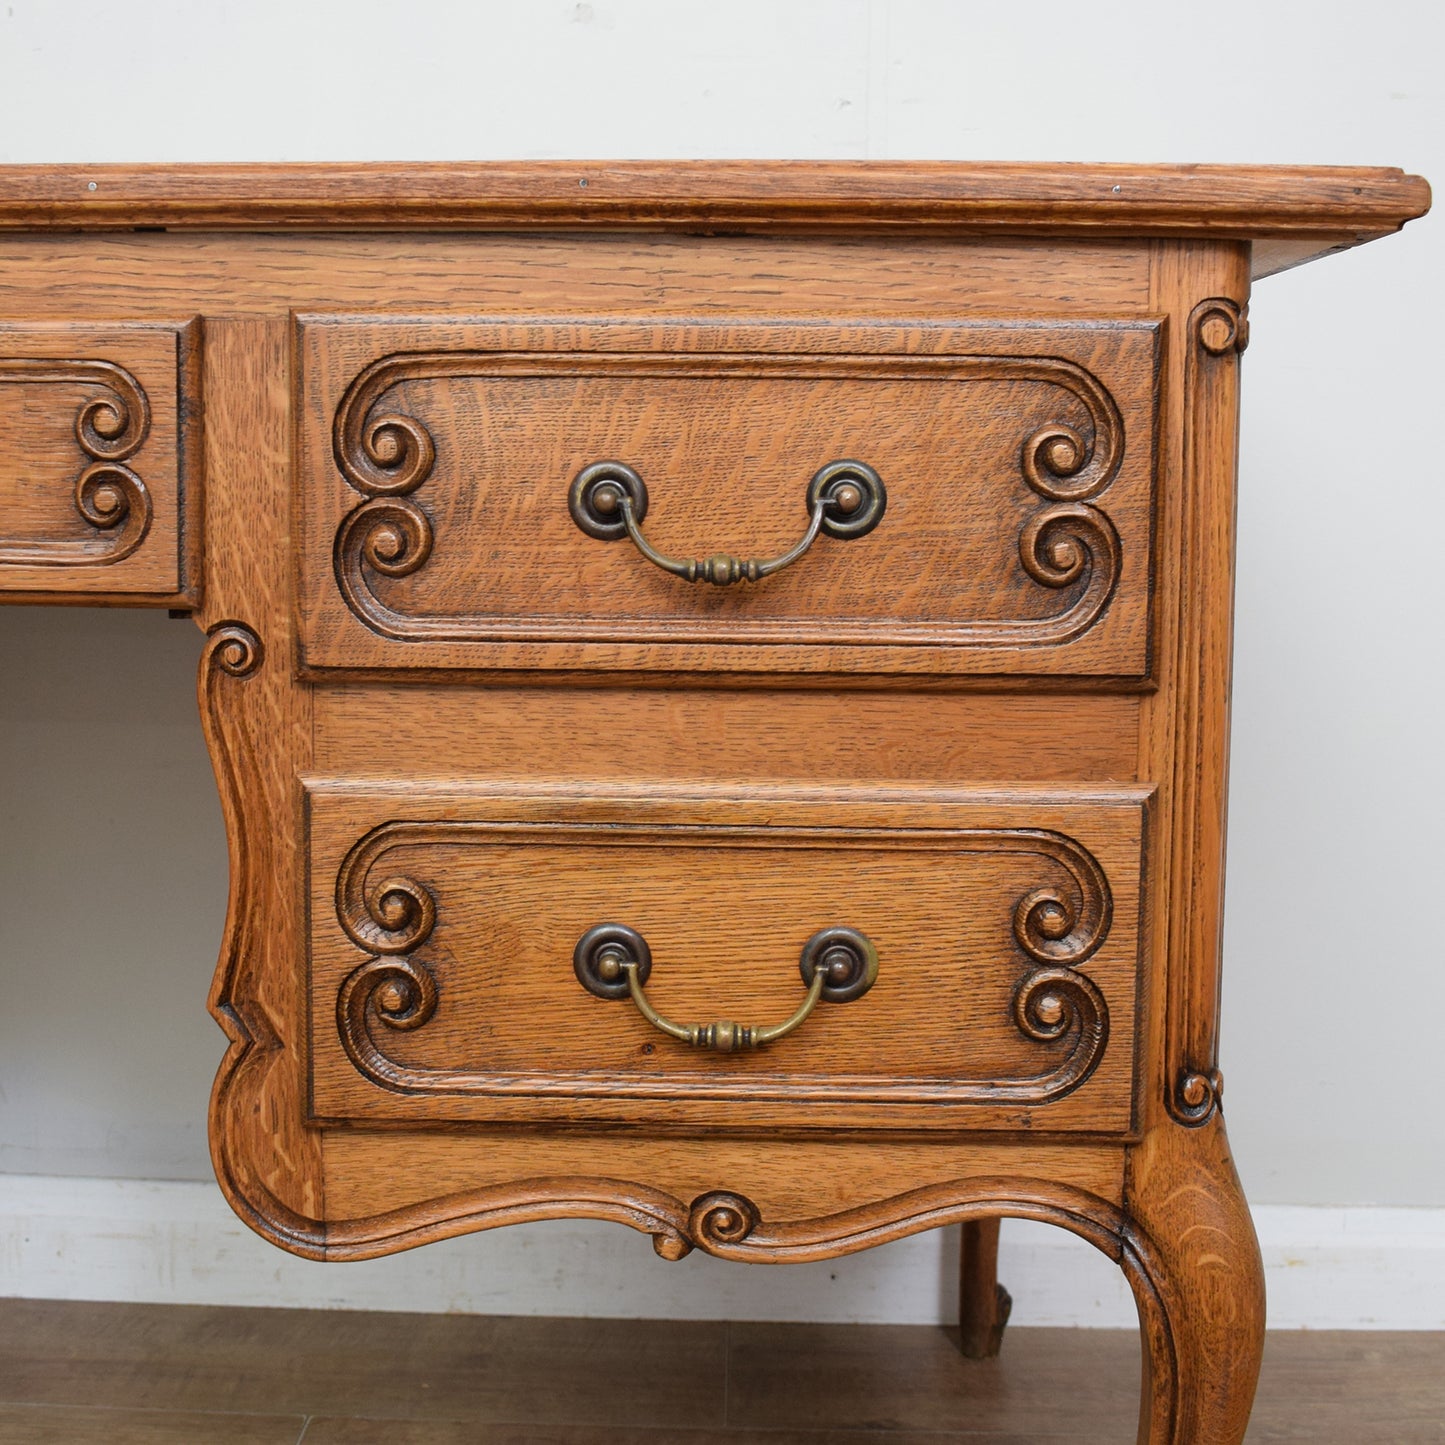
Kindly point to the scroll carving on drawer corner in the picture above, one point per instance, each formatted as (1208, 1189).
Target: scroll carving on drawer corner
(111, 423)
(443, 968)
(1016, 536)
(96, 455)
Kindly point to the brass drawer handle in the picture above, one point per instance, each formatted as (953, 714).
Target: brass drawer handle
(608, 500)
(613, 961)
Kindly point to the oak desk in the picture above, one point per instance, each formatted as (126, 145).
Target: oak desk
(775, 904)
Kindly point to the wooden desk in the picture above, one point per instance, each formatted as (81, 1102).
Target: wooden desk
(775, 904)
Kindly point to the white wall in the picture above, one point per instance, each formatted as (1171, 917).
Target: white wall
(111, 854)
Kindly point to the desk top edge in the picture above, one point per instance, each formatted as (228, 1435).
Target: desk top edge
(1339, 205)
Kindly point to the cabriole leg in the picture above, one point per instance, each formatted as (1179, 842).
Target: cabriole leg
(1192, 1257)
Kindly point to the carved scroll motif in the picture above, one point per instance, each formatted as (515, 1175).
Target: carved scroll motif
(387, 455)
(109, 429)
(390, 915)
(233, 653)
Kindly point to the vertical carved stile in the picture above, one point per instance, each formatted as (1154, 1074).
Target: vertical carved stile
(1217, 332)
(1187, 1226)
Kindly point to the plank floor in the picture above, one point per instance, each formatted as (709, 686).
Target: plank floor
(115, 1374)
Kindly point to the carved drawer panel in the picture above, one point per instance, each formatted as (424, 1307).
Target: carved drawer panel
(469, 952)
(956, 499)
(99, 442)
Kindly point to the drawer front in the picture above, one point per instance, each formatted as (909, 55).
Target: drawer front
(98, 449)
(1000, 520)
(447, 983)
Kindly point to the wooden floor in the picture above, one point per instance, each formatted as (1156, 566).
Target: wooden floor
(162, 1375)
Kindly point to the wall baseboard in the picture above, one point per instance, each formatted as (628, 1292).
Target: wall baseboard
(178, 1243)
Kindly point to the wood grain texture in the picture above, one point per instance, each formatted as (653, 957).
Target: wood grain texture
(547, 275)
(307, 1362)
(635, 737)
(1007, 930)
(1046, 1386)
(257, 728)
(1231, 201)
(160, 1375)
(721, 1221)
(808, 1176)
(1189, 1244)
(1017, 460)
(1185, 724)
(984, 1304)
(96, 1425)
(100, 488)
(331, 1431)
(1199, 1281)
(247, 726)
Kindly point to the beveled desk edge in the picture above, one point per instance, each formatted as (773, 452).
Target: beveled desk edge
(1294, 213)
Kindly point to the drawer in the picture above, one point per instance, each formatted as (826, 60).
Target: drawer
(469, 956)
(979, 496)
(99, 448)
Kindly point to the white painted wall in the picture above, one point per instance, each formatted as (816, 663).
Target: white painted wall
(111, 854)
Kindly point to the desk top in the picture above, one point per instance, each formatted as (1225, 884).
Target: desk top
(1291, 213)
